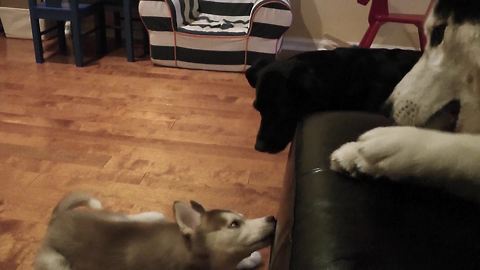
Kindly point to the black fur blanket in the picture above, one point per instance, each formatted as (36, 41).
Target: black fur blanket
(340, 79)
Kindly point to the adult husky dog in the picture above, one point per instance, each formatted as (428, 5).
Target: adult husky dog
(444, 86)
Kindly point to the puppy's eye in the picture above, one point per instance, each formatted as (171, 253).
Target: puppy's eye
(437, 35)
(235, 224)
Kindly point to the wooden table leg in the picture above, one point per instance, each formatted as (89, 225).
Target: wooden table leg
(127, 14)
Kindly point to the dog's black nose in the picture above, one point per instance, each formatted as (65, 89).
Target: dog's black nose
(386, 108)
(271, 219)
(261, 146)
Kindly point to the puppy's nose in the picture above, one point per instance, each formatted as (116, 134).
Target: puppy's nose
(271, 219)
(386, 108)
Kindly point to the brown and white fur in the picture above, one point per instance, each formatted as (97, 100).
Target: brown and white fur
(447, 73)
(95, 239)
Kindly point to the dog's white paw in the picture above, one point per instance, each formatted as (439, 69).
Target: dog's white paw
(95, 204)
(348, 159)
(395, 152)
(254, 260)
(147, 217)
(345, 158)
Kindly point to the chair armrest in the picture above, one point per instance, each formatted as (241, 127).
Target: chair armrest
(259, 2)
(270, 18)
(161, 15)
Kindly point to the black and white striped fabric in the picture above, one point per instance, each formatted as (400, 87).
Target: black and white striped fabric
(225, 35)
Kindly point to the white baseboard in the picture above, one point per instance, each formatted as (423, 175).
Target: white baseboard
(326, 43)
(304, 44)
(387, 46)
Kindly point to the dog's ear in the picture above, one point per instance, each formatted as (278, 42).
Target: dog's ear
(187, 218)
(197, 207)
(252, 72)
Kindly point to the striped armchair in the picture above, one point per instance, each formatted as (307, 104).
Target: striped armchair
(224, 35)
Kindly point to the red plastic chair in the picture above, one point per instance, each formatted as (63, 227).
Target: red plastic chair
(380, 14)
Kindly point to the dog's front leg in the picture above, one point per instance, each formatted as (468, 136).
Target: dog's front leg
(401, 152)
(147, 217)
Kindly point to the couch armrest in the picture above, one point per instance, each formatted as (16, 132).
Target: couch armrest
(270, 18)
(334, 222)
(161, 15)
(307, 177)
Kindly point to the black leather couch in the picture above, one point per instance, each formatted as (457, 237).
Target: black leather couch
(329, 221)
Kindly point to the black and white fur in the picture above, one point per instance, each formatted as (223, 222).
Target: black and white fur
(95, 239)
(448, 73)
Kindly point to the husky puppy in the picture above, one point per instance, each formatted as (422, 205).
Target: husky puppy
(444, 86)
(94, 239)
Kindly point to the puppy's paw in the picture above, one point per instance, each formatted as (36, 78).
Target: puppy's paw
(254, 260)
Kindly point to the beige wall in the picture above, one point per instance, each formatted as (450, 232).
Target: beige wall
(347, 20)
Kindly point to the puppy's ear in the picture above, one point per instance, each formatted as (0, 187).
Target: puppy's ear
(197, 207)
(187, 218)
(252, 72)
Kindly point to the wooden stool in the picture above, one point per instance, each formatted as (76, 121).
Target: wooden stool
(380, 14)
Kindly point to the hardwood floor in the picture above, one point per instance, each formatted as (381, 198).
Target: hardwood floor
(136, 135)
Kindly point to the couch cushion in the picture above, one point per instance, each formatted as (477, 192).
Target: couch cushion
(211, 24)
(220, 17)
(227, 7)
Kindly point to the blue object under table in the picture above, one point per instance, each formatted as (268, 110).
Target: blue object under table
(73, 11)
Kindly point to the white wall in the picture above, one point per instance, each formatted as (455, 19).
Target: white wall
(347, 20)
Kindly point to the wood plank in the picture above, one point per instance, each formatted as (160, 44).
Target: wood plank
(137, 136)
